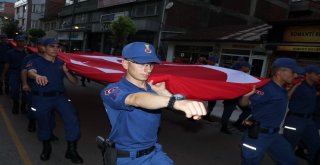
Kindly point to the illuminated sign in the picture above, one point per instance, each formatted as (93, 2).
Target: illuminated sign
(302, 34)
(106, 3)
(299, 48)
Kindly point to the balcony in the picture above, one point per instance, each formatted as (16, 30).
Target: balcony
(304, 5)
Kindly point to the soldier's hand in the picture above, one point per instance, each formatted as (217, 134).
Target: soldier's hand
(26, 88)
(41, 80)
(65, 68)
(160, 88)
(253, 91)
(194, 109)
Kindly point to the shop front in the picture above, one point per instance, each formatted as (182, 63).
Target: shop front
(296, 39)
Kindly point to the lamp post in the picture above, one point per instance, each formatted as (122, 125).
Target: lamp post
(72, 23)
(166, 6)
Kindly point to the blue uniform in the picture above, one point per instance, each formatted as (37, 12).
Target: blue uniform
(268, 107)
(299, 124)
(316, 116)
(14, 58)
(3, 50)
(133, 128)
(51, 97)
(25, 61)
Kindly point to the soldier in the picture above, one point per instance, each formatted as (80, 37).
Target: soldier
(230, 105)
(48, 94)
(4, 47)
(12, 67)
(134, 109)
(268, 108)
(299, 123)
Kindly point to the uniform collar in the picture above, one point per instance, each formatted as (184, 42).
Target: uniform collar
(277, 86)
(126, 82)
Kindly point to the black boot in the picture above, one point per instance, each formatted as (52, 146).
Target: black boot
(23, 107)
(238, 125)
(32, 125)
(54, 138)
(224, 129)
(15, 108)
(72, 153)
(45, 154)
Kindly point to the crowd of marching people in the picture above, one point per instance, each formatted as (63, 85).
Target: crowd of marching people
(280, 118)
(37, 89)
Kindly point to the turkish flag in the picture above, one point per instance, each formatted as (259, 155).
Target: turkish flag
(203, 82)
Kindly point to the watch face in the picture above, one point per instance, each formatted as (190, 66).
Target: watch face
(179, 96)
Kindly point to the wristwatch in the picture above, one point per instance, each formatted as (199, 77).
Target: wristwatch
(173, 99)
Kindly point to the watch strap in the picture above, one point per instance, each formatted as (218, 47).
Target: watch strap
(171, 102)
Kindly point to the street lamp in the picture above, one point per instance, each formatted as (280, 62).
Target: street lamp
(166, 6)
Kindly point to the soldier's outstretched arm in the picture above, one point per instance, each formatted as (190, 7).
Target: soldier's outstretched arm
(151, 101)
(40, 80)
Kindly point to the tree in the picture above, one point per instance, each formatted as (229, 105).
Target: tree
(121, 29)
(10, 27)
(35, 34)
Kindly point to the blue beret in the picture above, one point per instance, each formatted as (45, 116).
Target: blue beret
(140, 52)
(20, 38)
(48, 41)
(288, 63)
(241, 64)
(312, 68)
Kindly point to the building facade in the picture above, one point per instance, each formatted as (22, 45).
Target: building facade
(7, 9)
(28, 13)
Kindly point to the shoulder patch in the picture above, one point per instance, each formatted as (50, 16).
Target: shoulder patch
(259, 92)
(28, 65)
(108, 91)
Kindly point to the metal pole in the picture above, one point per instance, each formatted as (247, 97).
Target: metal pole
(72, 23)
(161, 25)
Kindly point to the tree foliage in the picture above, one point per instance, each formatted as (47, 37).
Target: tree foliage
(121, 28)
(34, 34)
(10, 27)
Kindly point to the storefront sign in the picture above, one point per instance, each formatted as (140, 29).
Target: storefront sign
(299, 48)
(302, 34)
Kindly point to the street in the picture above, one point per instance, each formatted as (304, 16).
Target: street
(187, 142)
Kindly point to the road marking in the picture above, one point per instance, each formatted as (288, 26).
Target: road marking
(14, 136)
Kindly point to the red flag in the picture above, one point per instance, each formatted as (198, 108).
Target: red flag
(203, 82)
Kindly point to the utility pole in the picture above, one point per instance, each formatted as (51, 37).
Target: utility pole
(75, 2)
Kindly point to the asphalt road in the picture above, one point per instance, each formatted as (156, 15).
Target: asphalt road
(187, 142)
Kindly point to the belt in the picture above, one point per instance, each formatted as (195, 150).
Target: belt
(302, 115)
(47, 94)
(270, 130)
(124, 154)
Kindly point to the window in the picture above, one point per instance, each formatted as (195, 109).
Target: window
(145, 10)
(1, 6)
(82, 18)
(95, 17)
(69, 2)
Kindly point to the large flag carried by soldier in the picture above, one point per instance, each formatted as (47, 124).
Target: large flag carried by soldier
(203, 82)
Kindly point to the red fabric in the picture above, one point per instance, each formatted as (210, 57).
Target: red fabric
(193, 81)
(201, 82)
